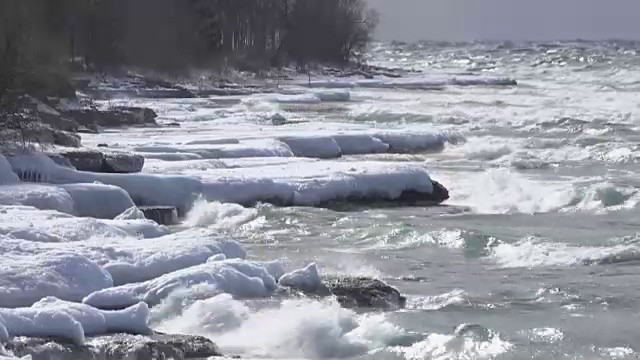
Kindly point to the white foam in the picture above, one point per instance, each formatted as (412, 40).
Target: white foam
(500, 191)
(305, 328)
(440, 346)
(532, 252)
(52, 317)
(219, 215)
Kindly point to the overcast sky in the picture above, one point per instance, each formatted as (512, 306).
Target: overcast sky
(508, 19)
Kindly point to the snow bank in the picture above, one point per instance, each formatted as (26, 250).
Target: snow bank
(355, 144)
(98, 200)
(404, 143)
(410, 82)
(307, 278)
(178, 191)
(333, 96)
(25, 279)
(7, 176)
(294, 183)
(44, 197)
(52, 226)
(236, 277)
(313, 183)
(52, 317)
(324, 147)
(249, 148)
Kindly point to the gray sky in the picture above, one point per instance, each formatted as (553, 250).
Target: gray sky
(508, 19)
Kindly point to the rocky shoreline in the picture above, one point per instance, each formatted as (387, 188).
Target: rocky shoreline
(349, 292)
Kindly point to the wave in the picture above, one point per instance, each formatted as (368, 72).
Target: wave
(293, 329)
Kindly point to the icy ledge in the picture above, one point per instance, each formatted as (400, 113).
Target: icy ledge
(291, 184)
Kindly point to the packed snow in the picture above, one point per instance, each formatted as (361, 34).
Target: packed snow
(52, 317)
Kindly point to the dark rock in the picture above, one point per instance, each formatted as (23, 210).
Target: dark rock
(114, 117)
(363, 292)
(84, 160)
(408, 198)
(354, 292)
(163, 215)
(116, 347)
(103, 162)
(103, 145)
(439, 193)
(64, 138)
(122, 163)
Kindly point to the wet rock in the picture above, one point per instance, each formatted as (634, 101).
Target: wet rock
(408, 198)
(363, 292)
(116, 347)
(278, 119)
(354, 292)
(163, 215)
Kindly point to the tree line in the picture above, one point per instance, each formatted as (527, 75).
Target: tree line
(176, 34)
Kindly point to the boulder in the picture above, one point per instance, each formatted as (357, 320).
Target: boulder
(40, 133)
(102, 162)
(163, 215)
(83, 160)
(408, 198)
(123, 163)
(67, 139)
(116, 347)
(354, 292)
(363, 292)
(113, 117)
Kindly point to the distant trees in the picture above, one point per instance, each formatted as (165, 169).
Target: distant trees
(41, 39)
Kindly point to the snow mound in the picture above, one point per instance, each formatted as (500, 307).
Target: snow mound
(52, 226)
(98, 200)
(52, 317)
(307, 278)
(209, 150)
(25, 279)
(44, 197)
(324, 147)
(236, 277)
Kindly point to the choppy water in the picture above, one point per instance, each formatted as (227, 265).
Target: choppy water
(538, 252)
